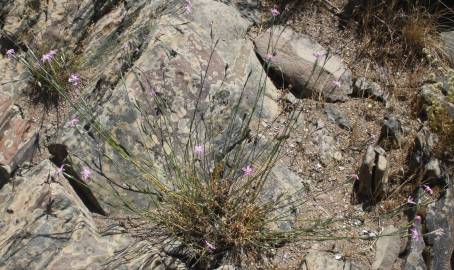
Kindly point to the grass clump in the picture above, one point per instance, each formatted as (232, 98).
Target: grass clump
(395, 29)
(440, 114)
(51, 74)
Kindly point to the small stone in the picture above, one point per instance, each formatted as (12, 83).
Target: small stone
(337, 156)
(387, 249)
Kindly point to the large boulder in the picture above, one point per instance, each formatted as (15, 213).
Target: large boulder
(170, 62)
(296, 61)
(45, 225)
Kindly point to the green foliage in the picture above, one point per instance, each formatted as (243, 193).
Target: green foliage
(440, 118)
(49, 79)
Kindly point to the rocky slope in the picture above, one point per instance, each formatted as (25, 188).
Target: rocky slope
(49, 221)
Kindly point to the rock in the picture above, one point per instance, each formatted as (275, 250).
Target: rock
(422, 150)
(373, 176)
(336, 116)
(293, 62)
(448, 41)
(415, 259)
(325, 143)
(317, 260)
(364, 88)
(18, 139)
(387, 249)
(44, 225)
(178, 56)
(391, 133)
(440, 216)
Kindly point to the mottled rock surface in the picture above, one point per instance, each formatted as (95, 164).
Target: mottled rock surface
(18, 139)
(440, 216)
(45, 225)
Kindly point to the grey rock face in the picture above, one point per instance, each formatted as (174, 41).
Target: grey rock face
(18, 139)
(440, 216)
(317, 260)
(387, 249)
(44, 225)
(294, 64)
(373, 175)
(171, 65)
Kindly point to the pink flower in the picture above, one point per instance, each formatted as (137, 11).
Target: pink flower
(248, 170)
(415, 234)
(354, 176)
(427, 189)
(411, 200)
(269, 57)
(418, 219)
(188, 6)
(275, 11)
(199, 149)
(336, 83)
(86, 174)
(318, 55)
(210, 247)
(74, 79)
(152, 92)
(73, 122)
(60, 170)
(49, 56)
(10, 53)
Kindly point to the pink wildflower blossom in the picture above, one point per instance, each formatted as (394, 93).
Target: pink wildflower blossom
(199, 149)
(152, 92)
(269, 57)
(411, 200)
(86, 174)
(336, 83)
(248, 170)
(210, 246)
(74, 79)
(48, 56)
(427, 189)
(60, 170)
(418, 219)
(354, 176)
(10, 53)
(188, 6)
(275, 11)
(318, 55)
(415, 234)
(73, 122)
